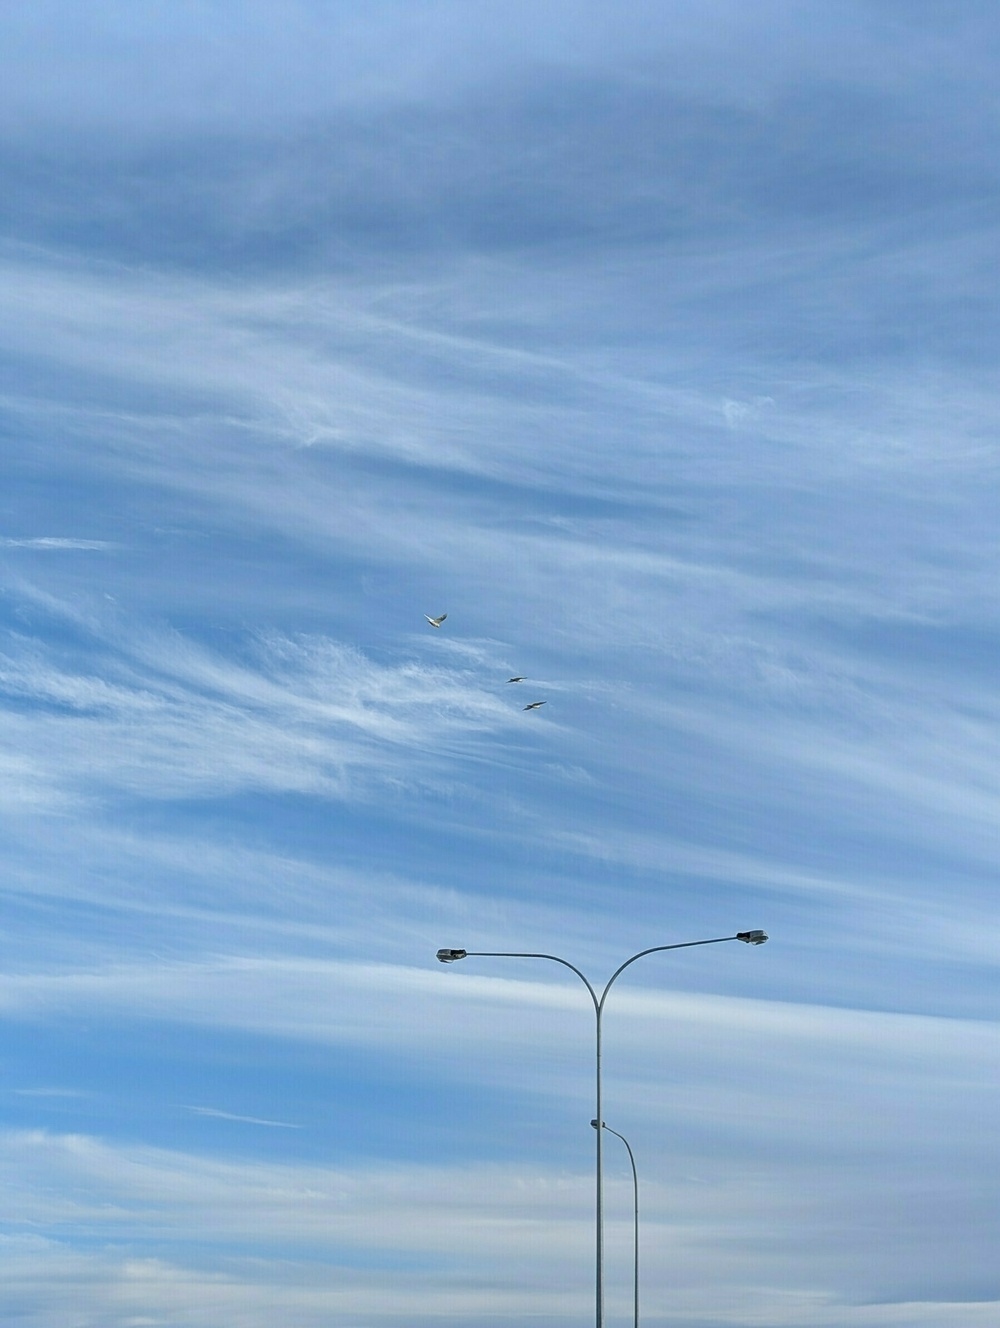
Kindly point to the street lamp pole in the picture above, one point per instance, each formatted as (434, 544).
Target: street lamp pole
(447, 956)
(635, 1220)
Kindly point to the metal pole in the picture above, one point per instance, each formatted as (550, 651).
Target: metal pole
(635, 1222)
(600, 1183)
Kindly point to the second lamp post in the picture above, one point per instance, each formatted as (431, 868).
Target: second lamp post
(635, 1220)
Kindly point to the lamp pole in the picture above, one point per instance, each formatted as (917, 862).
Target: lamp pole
(447, 956)
(635, 1220)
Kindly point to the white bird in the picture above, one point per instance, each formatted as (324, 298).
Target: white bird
(436, 622)
(533, 705)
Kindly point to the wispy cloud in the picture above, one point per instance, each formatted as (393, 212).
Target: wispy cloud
(486, 1221)
(47, 1092)
(247, 1120)
(54, 542)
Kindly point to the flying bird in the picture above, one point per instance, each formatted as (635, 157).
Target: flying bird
(436, 622)
(521, 679)
(533, 705)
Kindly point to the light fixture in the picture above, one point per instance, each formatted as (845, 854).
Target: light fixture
(449, 957)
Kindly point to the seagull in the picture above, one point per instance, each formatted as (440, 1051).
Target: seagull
(436, 622)
(521, 679)
(533, 705)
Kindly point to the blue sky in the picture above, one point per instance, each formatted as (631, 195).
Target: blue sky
(656, 345)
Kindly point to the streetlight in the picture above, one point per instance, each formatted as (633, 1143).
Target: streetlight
(451, 956)
(635, 1221)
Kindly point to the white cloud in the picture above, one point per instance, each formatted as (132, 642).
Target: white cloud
(246, 1120)
(47, 1092)
(169, 718)
(54, 542)
(293, 1236)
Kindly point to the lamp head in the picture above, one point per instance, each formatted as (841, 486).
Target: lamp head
(449, 956)
(751, 937)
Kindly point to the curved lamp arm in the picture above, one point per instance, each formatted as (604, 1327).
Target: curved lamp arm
(749, 937)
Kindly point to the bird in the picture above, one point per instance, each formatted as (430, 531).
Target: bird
(436, 622)
(533, 705)
(520, 679)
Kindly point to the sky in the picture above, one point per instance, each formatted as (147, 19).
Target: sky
(656, 345)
